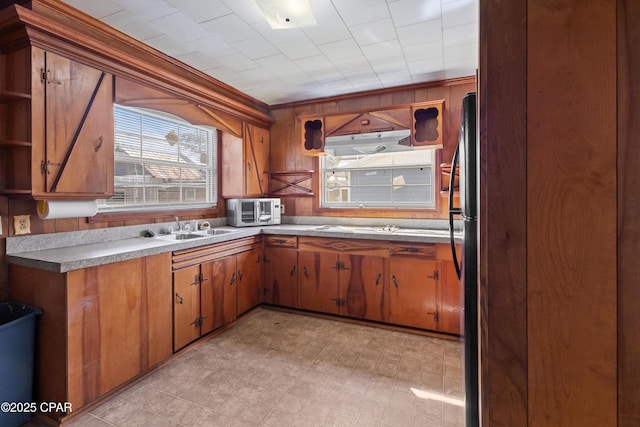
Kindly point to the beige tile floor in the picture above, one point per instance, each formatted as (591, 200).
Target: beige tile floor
(280, 369)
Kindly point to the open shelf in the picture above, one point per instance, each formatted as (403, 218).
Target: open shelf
(7, 96)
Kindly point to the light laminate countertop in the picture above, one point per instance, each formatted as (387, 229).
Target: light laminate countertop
(80, 256)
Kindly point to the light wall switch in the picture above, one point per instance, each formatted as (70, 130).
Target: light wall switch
(21, 224)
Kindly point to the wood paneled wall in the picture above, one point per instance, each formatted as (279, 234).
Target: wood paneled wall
(559, 225)
(628, 218)
(286, 151)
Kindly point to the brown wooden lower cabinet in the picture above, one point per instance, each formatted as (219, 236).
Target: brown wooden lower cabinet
(100, 327)
(249, 280)
(413, 292)
(210, 294)
(345, 284)
(280, 276)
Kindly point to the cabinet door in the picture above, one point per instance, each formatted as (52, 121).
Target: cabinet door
(451, 300)
(186, 306)
(256, 143)
(79, 129)
(280, 277)
(207, 310)
(156, 291)
(225, 280)
(249, 271)
(319, 282)
(413, 292)
(361, 286)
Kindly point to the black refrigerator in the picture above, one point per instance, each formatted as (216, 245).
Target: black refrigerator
(466, 156)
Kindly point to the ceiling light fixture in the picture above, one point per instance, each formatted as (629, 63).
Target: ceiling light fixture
(287, 13)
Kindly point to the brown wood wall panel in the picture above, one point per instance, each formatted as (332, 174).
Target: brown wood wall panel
(628, 218)
(503, 213)
(571, 221)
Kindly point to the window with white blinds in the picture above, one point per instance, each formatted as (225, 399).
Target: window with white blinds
(384, 180)
(161, 162)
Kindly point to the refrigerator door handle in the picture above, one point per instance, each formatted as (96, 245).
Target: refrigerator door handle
(454, 211)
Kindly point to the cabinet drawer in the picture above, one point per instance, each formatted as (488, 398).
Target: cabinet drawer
(426, 250)
(281, 241)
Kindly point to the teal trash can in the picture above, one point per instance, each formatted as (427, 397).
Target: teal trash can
(17, 342)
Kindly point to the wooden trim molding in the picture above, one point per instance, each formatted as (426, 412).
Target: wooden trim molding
(60, 28)
(416, 86)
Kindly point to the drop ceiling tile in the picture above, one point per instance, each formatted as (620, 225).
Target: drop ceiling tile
(374, 32)
(424, 50)
(407, 12)
(425, 66)
(298, 48)
(201, 10)
(459, 12)
(277, 36)
(180, 27)
(461, 34)
(97, 9)
(128, 23)
(395, 78)
(330, 27)
(199, 60)
(460, 52)
(356, 12)
(275, 63)
(315, 64)
(168, 45)
(420, 33)
(429, 77)
(388, 49)
(389, 65)
(256, 47)
(211, 45)
(225, 74)
(230, 28)
(324, 76)
(341, 49)
(237, 62)
(294, 76)
(257, 77)
(351, 63)
(146, 10)
(247, 10)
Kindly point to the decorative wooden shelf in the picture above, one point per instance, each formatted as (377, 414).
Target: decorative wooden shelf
(285, 180)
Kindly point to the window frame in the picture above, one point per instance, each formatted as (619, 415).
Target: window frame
(378, 212)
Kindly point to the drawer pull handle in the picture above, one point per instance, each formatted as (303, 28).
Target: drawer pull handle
(395, 281)
(233, 279)
(435, 275)
(279, 241)
(411, 250)
(293, 270)
(378, 279)
(240, 275)
(304, 270)
(180, 299)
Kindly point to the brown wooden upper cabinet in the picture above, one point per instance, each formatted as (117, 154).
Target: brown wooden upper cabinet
(426, 123)
(424, 119)
(245, 162)
(59, 140)
(312, 129)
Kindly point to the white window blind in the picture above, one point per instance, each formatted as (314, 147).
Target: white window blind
(161, 162)
(384, 180)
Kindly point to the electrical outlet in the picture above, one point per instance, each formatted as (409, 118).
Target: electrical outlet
(282, 209)
(21, 224)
